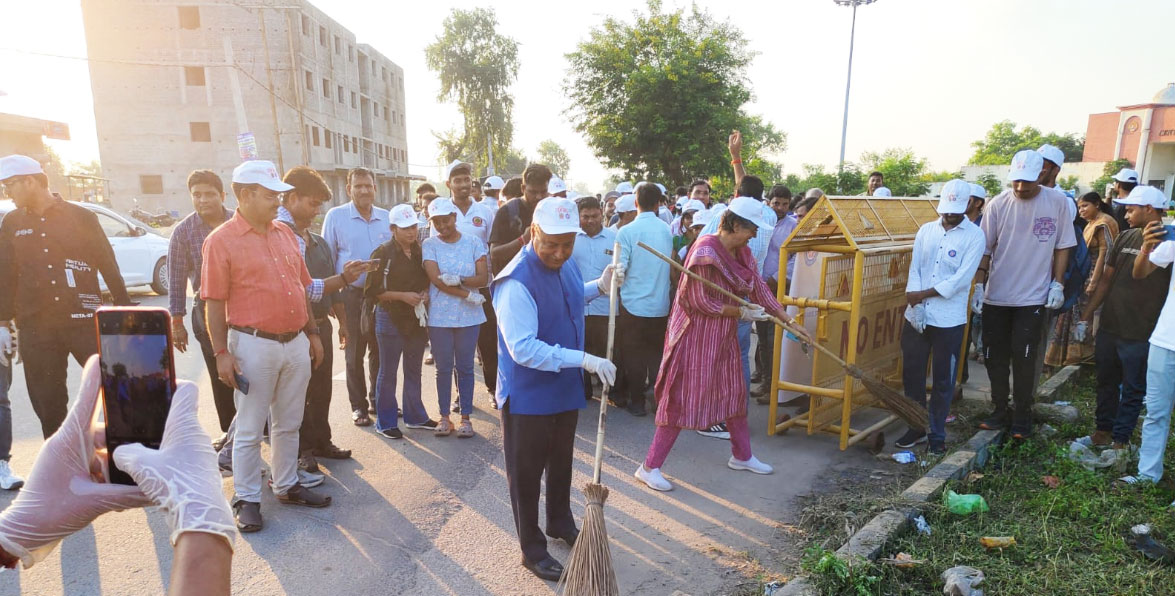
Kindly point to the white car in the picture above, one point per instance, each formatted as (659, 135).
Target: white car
(140, 251)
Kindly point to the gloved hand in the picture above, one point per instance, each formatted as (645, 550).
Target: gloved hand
(1056, 296)
(600, 366)
(421, 313)
(918, 318)
(607, 278)
(753, 312)
(977, 299)
(475, 298)
(182, 477)
(1080, 331)
(450, 279)
(61, 495)
(618, 275)
(7, 345)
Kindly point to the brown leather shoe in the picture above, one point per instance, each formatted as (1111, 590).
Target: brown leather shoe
(299, 495)
(1101, 438)
(248, 516)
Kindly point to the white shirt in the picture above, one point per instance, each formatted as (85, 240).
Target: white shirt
(1164, 334)
(945, 260)
(489, 202)
(664, 214)
(476, 222)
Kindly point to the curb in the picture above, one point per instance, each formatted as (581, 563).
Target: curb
(869, 541)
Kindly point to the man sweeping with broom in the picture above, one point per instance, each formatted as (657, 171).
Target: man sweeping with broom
(540, 306)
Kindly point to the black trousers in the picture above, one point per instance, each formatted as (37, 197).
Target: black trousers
(642, 340)
(765, 351)
(45, 349)
(533, 445)
(360, 389)
(595, 342)
(1011, 340)
(316, 417)
(487, 343)
(222, 395)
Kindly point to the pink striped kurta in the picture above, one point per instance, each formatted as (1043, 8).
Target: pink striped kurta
(701, 379)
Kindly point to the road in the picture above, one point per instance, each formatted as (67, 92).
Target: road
(431, 515)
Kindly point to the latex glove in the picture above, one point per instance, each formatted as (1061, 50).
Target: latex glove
(451, 279)
(753, 312)
(475, 298)
(618, 275)
(977, 299)
(600, 366)
(1080, 331)
(7, 346)
(182, 477)
(607, 278)
(1056, 296)
(918, 316)
(61, 495)
(421, 313)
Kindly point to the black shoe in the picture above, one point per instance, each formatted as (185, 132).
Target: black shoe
(332, 451)
(568, 537)
(637, 408)
(548, 569)
(760, 390)
(426, 425)
(247, 515)
(997, 420)
(360, 418)
(757, 377)
(910, 439)
(718, 431)
(936, 449)
(300, 495)
(1021, 431)
(308, 462)
(618, 402)
(392, 433)
(218, 443)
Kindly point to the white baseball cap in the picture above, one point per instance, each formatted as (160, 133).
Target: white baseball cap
(750, 209)
(813, 193)
(702, 217)
(693, 205)
(1123, 175)
(18, 165)
(1145, 195)
(624, 187)
(978, 191)
(612, 195)
(1052, 154)
(556, 185)
(954, 197)
(1026, 165)
(660, 186)
(494, 183)
(626, 203)
(882, 191)
(453, 165)
(681, 201)
(441, 206)
(555, 215)
(403, 216)
(259, 171)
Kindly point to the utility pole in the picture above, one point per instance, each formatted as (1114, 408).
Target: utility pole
(490, 152)
(844, 130)
(294, 70)
(277, 136)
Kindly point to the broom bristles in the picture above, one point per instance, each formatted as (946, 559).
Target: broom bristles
(911, 413)
(589, 571)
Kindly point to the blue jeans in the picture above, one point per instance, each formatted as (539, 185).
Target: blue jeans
(744, 348)
(391, 345)
(452, 348)
(5, 411)
(1160, 394)
(1121, 383)
(942, 344)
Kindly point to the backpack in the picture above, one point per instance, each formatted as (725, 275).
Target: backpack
(1076, 274)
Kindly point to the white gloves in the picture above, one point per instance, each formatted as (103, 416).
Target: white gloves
(1080, 331)
(475, 298)
(421, 313)
(7, 345)
(450, 279)
(977, 299)
(918, 318)
(618, 275)
(753, 312)
(608, 278)
(1056, 296)
(181, 477)
(600, 366)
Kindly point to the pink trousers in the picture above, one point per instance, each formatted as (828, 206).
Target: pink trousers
(740, 442)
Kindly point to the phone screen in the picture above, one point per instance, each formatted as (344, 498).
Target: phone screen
(138, 378)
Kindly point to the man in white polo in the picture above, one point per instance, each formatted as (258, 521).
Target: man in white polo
(492, 190)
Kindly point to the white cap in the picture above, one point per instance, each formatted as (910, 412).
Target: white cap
(882, 191)
(681, 201)
(954, 197)
(661, 186)
(403, 216)
(702, 217)
(1145, 195)
(612, 195)
(1123, 175)
(978, 191)
(624, 187)
(750, 209)
(1052, 154)
(557, 216)
(18, 165)
(453, 164)
(626, 203)
(441, 206)
(494, 183)
(813, 193)
(693, 205)
(556, 185)
(259, 171)
(1026, 165)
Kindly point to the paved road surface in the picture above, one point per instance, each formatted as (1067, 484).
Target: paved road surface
(431, 515)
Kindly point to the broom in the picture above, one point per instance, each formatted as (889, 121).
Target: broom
(911, 413)
(589, 571)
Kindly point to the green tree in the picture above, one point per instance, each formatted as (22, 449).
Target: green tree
(476, 66)
(1003, 141)
(1108, 172)
(510, 163)
(852, 181)
(904, 172)
(991, 184)
(943, 176)
(657, 97)
(553, 156)
(1068, 182)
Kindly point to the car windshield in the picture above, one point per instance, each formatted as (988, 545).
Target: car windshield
(145, 226)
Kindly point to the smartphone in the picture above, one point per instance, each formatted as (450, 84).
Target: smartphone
(138, 378)
(1170, 232)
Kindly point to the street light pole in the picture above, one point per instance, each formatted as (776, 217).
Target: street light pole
(844, 130)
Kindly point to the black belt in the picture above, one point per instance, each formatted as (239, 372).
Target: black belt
(283, 338)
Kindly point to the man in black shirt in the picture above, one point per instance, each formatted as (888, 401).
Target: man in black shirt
(51, 253)
(511, 229)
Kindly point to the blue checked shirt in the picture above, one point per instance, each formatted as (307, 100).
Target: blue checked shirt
(184, 259)
(315, 289)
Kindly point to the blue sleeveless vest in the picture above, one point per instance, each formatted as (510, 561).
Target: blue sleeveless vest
(559, 298)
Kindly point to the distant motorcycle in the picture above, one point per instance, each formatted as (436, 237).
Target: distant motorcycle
(161, 220)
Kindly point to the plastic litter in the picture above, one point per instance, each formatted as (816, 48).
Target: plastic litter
(965, 504)
(1046, 430)
(771, 588)
(990, 542)
(1063, 403)
(921, 524)
(961, 581)
(902, 561)
(1149, 547)
(1082, 454)
(1086, 441)
(904, 457)
(973, 477)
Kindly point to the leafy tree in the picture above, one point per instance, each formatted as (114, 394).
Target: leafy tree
(1003, 141)
(943, 176)
(1068, 182)
(510, 163)
(657, 97)
(554, 157)
(991, 184)
(476, 66)
(1108, 172)
(852, 181)
(904, 172)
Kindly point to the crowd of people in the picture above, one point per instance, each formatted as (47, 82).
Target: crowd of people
(516, 273)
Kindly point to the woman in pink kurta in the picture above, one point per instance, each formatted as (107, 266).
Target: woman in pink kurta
(701, 381)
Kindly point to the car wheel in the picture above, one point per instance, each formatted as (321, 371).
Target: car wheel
(159, 279)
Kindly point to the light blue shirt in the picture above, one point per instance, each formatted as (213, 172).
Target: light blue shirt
(760, 242)
(592, 254)
(459, 258)
(783, 229)
(645, 292)
(353, 238)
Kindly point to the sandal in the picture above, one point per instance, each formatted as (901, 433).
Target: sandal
(465, 431)
(247, 515)
(445, 428)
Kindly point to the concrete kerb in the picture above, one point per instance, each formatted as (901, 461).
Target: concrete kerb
(869, 541)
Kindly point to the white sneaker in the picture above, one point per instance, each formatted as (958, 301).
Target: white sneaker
(8, 480)
(751, 465)
(652, 478)
(310, 479)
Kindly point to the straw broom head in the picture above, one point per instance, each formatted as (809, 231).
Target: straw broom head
(589, 572)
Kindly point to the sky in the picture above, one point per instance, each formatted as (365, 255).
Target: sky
(929, 75)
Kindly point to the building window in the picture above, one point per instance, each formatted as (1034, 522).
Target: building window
(379, 149)
(385, 112)
(189, 17)
(354, 100)
(326, 88)
(375, 109)
(200, 132)
(194, 76)
(383, 73)
(350, 52)
(346, 144)
(355, 144)
(151, 184)
(309, 81)
(341, 94)
(305, 25)
(322, 36)
(326, 137)
(314, 134)
(338, 45)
